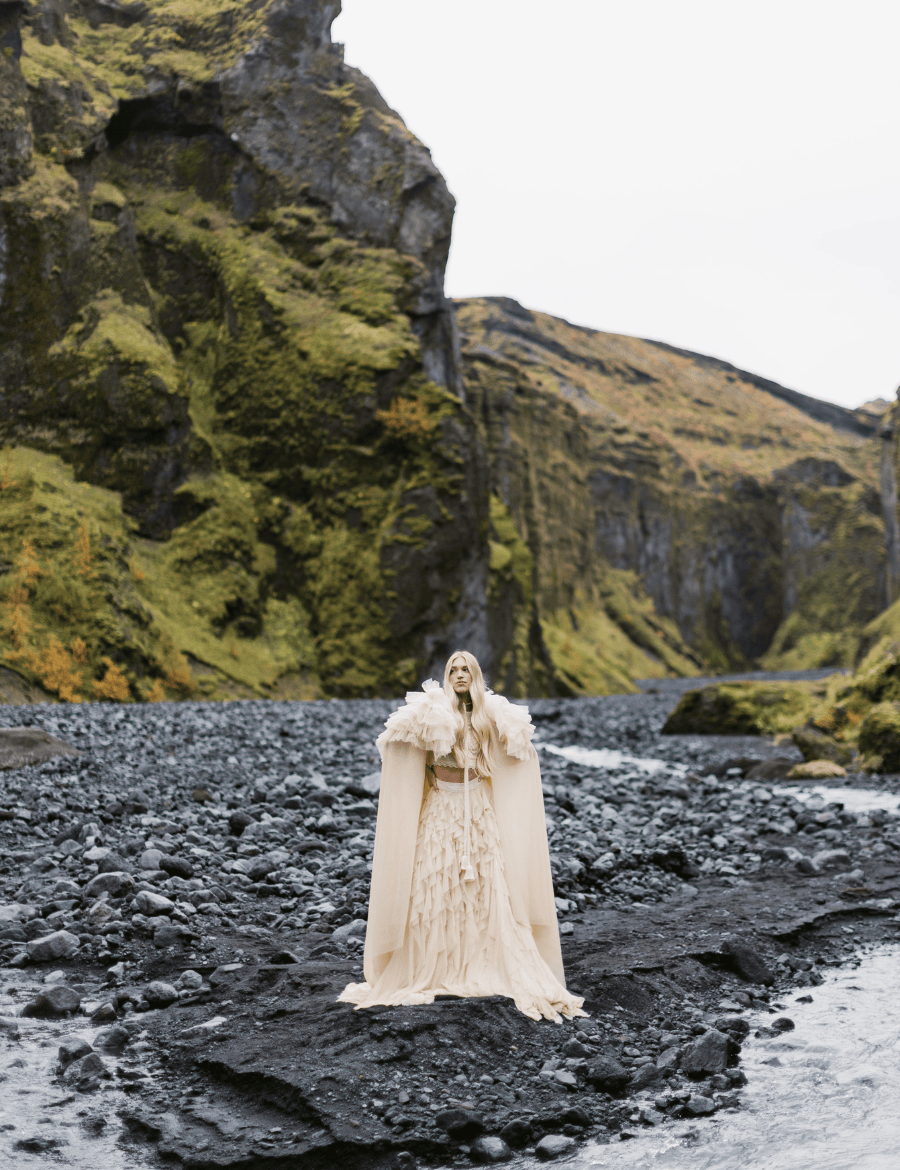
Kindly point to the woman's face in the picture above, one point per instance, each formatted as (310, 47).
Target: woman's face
(460, 678)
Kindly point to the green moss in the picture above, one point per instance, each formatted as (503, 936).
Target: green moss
(837, 580)
(879, 738)
(743, 709)
(510, 557)
(107, 332)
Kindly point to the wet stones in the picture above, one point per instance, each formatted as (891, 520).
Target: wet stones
(553, 1146)
(73, 1048)
(489, 1150)
(85, 1068)
(747, 961)
(58, 945)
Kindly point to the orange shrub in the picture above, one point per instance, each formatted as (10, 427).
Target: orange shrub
(54, 668)
(155, 693)
(113, 685)
(406, 418)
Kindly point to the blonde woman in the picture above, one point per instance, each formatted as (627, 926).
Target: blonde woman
(461, 901)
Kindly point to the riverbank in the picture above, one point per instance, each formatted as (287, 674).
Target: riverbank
(687, 895)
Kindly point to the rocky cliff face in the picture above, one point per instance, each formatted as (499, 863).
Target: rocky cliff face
(221, 271)
(244, 453)
(750, 514)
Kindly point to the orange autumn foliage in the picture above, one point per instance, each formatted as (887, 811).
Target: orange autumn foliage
(54, 667)
(114, 685)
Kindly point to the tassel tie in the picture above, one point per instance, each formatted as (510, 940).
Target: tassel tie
(468, 871)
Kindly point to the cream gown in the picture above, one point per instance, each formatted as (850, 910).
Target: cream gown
(461, 936)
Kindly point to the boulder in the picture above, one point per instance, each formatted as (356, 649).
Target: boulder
(699, 1105)
(815, 744)
(23, 747)
(459, 1124)
(517, 1133)
(833, 859)
(260, 867)
(150, 859)
(777, 768)
(112, 863)
(91, 1065)
(879, 738)
(608, 1074)
(115, 882)
(17, 912)
(708, 1054)
(159, 994)
(238, 821)
(747, 961)
(59, 945)
(73, 1048)
(554, 1145)
(356, 928)
(176, 866)
(149, 903)
(53, 1003)
(668, 1060)
(489, 1150)
(644, 1076)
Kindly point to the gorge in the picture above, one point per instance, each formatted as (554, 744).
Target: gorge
(251, 449)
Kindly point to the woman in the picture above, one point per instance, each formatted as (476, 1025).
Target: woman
(461, 901)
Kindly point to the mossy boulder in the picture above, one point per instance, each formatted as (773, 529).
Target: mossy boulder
(815, 744)
(879, 738)
(739, 709)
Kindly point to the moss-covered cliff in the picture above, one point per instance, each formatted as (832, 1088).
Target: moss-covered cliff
(244, 454)
(749, 515)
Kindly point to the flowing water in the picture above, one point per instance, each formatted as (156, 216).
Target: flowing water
(823, 1097)
(78, 1131)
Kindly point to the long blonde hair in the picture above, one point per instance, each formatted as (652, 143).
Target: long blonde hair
(481, 720)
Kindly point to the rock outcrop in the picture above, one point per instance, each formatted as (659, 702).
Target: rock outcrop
(750, 514)
(245, 453)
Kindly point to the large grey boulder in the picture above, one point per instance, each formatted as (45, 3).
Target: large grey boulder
(708, 1054)
(21, 747)
(116, 883)
(59, 945)
(748, 961)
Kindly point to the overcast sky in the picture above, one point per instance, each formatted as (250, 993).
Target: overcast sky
(723, 176)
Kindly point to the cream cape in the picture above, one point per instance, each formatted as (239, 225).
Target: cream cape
(425, 724)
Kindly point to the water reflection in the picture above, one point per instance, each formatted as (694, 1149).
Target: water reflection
(820, 1098)
(62, 1126)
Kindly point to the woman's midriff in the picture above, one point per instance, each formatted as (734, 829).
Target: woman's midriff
(453, 775)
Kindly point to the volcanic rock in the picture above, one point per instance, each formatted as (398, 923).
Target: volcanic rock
(747, 961)
(59, 945)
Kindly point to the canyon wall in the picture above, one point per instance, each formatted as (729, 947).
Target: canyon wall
(251, 448)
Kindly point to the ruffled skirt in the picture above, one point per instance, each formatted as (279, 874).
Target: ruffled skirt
(461, 936)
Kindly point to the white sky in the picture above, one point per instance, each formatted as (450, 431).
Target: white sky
(718, 174)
